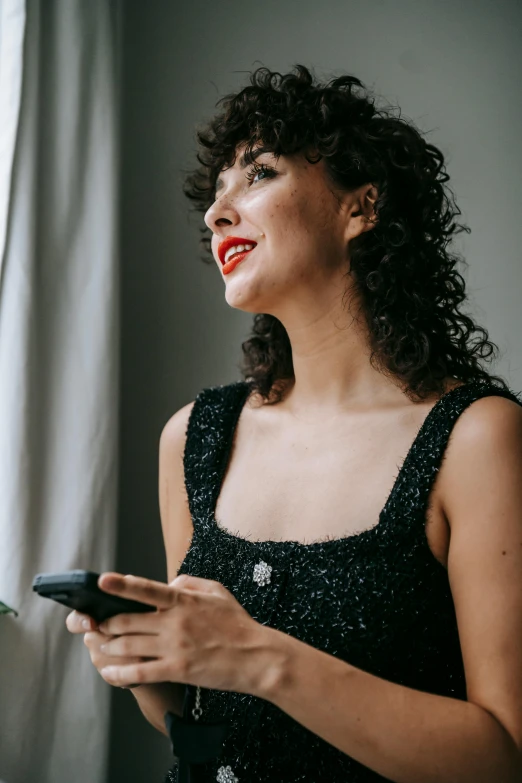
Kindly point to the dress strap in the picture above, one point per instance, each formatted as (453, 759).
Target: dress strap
(210, 431)
(216, 411)
(408, 500)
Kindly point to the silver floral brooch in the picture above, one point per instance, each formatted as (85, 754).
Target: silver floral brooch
(262, 573)
(225, 775)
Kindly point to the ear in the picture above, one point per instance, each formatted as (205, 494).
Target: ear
(362, 214)
(369, 197)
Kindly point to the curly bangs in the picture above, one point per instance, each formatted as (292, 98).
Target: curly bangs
(405, 277)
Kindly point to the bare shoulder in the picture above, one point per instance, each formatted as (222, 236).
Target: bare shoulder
(174, 431)
(176, 521)
(487, 421)
(485, 440)
(481, 495)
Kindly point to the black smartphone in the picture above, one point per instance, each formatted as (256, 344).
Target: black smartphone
(79, 590)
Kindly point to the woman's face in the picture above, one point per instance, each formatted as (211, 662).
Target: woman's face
(301, 229)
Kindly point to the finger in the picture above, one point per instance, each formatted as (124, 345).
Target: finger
(132, 646)
(136, 674)
(137, 588)
(189, 582)
(139, 622)
(94, 639)
(77, 622)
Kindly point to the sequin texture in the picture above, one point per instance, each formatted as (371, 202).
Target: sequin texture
(378, 599)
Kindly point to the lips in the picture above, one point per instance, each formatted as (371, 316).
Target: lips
(229, 242)
(234, 260)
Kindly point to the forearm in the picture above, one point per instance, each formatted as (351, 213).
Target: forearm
(157, 699)
(403, 734)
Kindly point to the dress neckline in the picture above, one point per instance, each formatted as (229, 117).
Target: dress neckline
(327, 541)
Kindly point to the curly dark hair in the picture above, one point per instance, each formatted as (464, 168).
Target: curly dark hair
(409, 290)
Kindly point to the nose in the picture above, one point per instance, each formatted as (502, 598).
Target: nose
(221, 213)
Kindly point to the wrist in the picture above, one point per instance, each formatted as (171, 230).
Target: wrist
(274, 661)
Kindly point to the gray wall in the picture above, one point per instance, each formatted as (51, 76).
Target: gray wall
(454, 68)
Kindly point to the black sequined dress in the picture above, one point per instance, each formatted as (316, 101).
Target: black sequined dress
(378, 599)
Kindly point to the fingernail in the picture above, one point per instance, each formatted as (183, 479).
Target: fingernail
(86, 624)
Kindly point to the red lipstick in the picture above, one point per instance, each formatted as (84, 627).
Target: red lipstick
(234, 260)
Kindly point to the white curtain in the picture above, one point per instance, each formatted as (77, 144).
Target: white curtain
(59, 371)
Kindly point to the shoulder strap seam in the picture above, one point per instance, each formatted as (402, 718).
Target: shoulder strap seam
(202, 446)
(411, 493)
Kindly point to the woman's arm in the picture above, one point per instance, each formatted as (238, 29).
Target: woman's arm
(406, 736)
(157, 699)
(410, 736)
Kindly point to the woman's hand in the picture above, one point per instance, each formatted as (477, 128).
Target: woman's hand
(200, 635)
(93, 640)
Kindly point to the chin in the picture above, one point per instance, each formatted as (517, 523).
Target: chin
(251, 293)
(244, 304)
(241, 298)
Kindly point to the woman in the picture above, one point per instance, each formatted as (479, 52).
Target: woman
(345, 522)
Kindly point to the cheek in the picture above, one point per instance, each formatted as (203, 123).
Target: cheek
(302, 244)
(295, 264)
(291, 224)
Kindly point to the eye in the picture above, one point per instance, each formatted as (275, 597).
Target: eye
(256, 168)
(260, 168)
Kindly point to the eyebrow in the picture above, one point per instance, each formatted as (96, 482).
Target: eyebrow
(242, 165)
